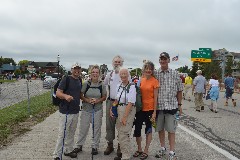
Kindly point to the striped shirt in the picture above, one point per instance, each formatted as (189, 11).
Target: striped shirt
(170, 84)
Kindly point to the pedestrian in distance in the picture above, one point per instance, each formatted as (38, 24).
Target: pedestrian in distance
(111, 80)
(169, 105)
(149, 90)
(93, 94)
(229, 86)
(125, 98)
(214, 92)
(187, 88)
(198, 89)
(69, 91)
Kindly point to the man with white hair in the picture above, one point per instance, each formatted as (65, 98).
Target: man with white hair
(112, 79)
(198, 89)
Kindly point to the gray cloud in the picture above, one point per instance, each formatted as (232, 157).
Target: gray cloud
(92, 32)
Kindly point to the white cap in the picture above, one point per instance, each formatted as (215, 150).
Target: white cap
(199, 71)
(76, 65)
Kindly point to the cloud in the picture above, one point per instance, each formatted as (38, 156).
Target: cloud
(93, 32)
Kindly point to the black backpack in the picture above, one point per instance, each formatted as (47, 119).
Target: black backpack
(89, 86)
(55, 100)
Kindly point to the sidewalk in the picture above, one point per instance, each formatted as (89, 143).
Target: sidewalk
(39, 144)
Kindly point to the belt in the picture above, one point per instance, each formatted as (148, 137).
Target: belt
(111, 99)
(121, 104)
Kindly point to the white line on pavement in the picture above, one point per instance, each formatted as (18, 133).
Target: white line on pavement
(220, 150)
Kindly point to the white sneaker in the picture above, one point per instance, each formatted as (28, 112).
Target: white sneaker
(161, 153)
(172, 156)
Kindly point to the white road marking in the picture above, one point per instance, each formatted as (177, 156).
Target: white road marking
(220, 150)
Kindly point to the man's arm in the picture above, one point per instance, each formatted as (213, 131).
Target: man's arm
(179, 99)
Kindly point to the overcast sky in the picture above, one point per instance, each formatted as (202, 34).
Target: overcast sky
(94, 31)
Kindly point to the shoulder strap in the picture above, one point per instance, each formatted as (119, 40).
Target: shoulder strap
(129, 85)
(88, 86)
(67, 84)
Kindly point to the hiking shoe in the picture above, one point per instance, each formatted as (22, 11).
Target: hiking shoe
(94, 151)
(71, 154)
(161, 153)
(56, 158)
(234, 103)
(77, 150)
(109, 149)
(172, 156)
(117, 158)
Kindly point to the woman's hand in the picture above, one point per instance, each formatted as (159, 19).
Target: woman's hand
(111, 113)
(153, 116)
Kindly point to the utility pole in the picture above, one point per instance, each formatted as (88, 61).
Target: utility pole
(223, 53)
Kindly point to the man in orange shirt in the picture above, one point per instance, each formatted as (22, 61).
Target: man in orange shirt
(149, 89)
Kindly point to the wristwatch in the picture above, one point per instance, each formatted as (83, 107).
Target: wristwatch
(180, 104)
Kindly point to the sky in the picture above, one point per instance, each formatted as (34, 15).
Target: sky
(94, 31)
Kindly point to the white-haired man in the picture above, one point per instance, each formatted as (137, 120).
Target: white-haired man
(112, 79)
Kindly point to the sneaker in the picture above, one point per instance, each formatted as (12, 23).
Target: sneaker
(94, 151)
(77, 150)
(71, 154)
(172, 157)
(161, 153)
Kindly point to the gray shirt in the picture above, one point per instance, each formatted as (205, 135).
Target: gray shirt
(199, 82)
(93, 92)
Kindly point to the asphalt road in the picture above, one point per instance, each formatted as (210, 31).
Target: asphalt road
(200, 136)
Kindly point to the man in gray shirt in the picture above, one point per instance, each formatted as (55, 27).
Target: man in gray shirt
(199, 88)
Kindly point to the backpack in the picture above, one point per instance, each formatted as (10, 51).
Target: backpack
(55, 100)
(138, 103)
(89, 86)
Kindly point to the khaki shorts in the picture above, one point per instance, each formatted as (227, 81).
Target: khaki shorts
(167, 122)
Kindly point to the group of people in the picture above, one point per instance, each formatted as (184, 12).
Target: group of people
(199, 90)
(161, 92)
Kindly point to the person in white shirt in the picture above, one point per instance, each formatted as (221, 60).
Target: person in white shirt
(112, 79)
(125, 98)
(214, 92)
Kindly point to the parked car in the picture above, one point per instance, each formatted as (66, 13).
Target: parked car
(49, 82)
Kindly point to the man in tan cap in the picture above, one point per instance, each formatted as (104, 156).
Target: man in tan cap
(68, 91)
(198, 89)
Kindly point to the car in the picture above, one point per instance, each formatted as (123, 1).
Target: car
(49, 82)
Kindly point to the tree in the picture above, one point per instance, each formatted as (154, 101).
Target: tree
(229, 64)
(183, 69)
(7, 61)
(23, 62)
(194, 69)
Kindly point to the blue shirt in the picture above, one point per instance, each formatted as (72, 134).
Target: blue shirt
(229, 81)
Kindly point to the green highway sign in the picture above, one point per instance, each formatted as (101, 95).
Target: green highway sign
(202, 55)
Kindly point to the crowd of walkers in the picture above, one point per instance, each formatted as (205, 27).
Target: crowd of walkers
(162, 91)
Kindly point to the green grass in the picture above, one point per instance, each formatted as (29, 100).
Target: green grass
(12, 116)
(10, 81)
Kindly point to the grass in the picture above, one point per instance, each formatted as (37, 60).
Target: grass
(11, 81)
(15, 120)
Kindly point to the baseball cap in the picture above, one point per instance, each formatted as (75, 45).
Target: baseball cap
(164, 54)
(75, 65)
(199, 71)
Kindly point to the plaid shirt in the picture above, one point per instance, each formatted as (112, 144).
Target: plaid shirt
(170, 84)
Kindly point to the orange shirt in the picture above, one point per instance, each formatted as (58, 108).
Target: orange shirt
(147, 87)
